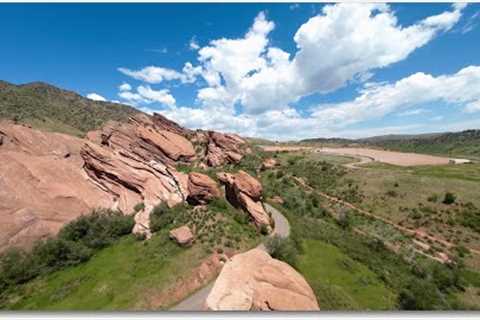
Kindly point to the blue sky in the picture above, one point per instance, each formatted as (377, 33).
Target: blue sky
(281, 71)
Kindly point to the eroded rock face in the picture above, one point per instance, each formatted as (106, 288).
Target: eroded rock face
(201, 189)
(48, 179)
(255, 281)
(182, 235)
(223, 148)
(130, 181)
(168, 125)
(243, 190)
(42, 184)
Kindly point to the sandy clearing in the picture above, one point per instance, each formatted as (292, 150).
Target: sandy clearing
(390, 157)
(285, 148)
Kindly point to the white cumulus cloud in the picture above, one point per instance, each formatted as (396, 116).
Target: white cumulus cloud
(96, 97)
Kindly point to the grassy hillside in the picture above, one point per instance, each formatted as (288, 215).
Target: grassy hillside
(47, 107)
(342, 283)
(455, 144)
(465, 143)
(127, 273)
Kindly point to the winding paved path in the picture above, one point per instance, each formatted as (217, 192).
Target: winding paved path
(196, 301)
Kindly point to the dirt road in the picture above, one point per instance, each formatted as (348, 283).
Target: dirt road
(196, 301)
(404, 159)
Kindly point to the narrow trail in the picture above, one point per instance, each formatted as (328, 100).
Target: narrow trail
(196, 301)
(403, 229)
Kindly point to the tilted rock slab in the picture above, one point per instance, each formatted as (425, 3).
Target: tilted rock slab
(253, 281)
(244, 191)
(201, 189)
(223, 148)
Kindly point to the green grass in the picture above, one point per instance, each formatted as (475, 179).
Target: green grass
(130, 273)
(341, 283)
(117, 278)
(49, 108)
(468, 172)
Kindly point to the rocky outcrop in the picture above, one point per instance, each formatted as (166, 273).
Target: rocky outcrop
(269, 163)
(141, 139)
(131, 181)
(253, 281)
(223, 148)
(42, 184)
(201, 189)
(182, 235)
(48, 179)
(168, 125)
(244, 191)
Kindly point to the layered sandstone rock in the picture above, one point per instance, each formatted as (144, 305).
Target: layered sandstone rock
(48, 179)
(255, 281)
(201, 189)
(243, 190)
(182, 235)
(168, 125)
(42, 184)
(223, 148)
(142, 140)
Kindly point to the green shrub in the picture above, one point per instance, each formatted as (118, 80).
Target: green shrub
(283, 249)
(16, 267)
(449, 198)
(264, 230)
(160, 217)
(54, 254)
(98, 229)
(74, 244)
(392, 193)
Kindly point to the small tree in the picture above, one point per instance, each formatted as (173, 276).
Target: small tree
(449, 198)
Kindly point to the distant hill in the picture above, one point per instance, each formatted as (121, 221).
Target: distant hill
(50, 108)
(465, 143)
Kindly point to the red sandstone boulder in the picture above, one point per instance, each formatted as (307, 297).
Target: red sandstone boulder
(243, 190)
(269, 163)
(277, 199)
(201, 188)
(253, 281)
(182, 235)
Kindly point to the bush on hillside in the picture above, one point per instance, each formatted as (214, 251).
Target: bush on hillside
(98, 229)
(75, 243)
(449, 198)
(160, 217)
(283, 249)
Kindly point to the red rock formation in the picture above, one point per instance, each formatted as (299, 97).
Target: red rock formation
(269, 163)
(48, 179)
(243, 190)
(42, 184)
(168, 125)
(201, 188)
(223, 148)
(253, 281)
(182, 235)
